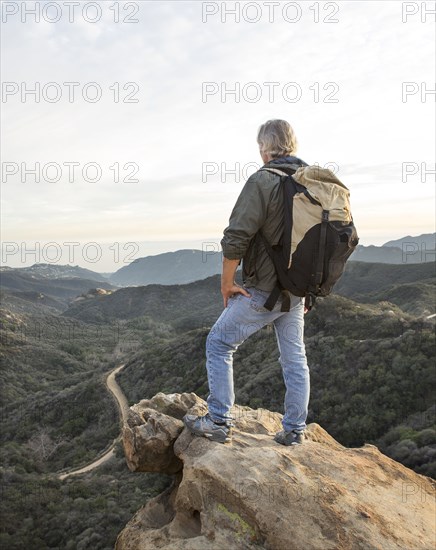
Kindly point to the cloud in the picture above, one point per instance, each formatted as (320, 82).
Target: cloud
(173, 128)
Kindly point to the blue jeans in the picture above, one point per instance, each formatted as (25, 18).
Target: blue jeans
(241, 318)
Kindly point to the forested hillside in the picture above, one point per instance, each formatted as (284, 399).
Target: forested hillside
(372, 375)
(56, 414)
(371, 368)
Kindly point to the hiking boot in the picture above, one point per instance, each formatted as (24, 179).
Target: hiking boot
(206, 427)
(289, 438)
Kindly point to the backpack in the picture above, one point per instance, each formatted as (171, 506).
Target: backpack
(318, 236)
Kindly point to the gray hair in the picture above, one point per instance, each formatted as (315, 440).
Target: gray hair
(277, 138)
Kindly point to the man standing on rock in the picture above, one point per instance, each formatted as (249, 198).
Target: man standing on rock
(259, 207)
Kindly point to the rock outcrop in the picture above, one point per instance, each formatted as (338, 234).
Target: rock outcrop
(255, 494)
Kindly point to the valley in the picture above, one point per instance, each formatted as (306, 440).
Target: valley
(76, 353)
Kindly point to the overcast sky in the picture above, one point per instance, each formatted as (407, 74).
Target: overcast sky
(338, 81)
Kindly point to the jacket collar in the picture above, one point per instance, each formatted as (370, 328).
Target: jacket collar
(288, 159)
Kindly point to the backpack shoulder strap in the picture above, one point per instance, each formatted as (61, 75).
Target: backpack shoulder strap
(274, 171)
(280, 255)
(292, 169)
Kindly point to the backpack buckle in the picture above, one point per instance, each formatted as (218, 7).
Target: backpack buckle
(309, 301)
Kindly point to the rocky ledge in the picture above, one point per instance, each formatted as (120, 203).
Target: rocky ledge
(253, 493)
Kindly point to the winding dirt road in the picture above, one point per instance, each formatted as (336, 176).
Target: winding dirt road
(123, 407)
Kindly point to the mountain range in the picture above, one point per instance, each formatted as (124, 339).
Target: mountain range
(55, 271)
(186, 266)
(21, 289)
(370, 348)
(410, 287)
(426, 240)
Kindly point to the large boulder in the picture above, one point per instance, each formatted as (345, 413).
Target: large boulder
(253, 493)
(151, 428)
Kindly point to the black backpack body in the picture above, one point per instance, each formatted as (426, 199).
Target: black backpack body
(318, 234)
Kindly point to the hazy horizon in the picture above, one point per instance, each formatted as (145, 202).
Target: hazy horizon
(127, 254)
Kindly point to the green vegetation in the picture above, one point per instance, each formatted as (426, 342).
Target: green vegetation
(413, 442)
(83, 512)
(56, 415)
(242, 529)
(372, 380)
(371, 368)
(409, 286)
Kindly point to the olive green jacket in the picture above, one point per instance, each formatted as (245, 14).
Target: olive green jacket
(259, 206)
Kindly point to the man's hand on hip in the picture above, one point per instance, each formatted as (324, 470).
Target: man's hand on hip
(228, 285)
(228, 291)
